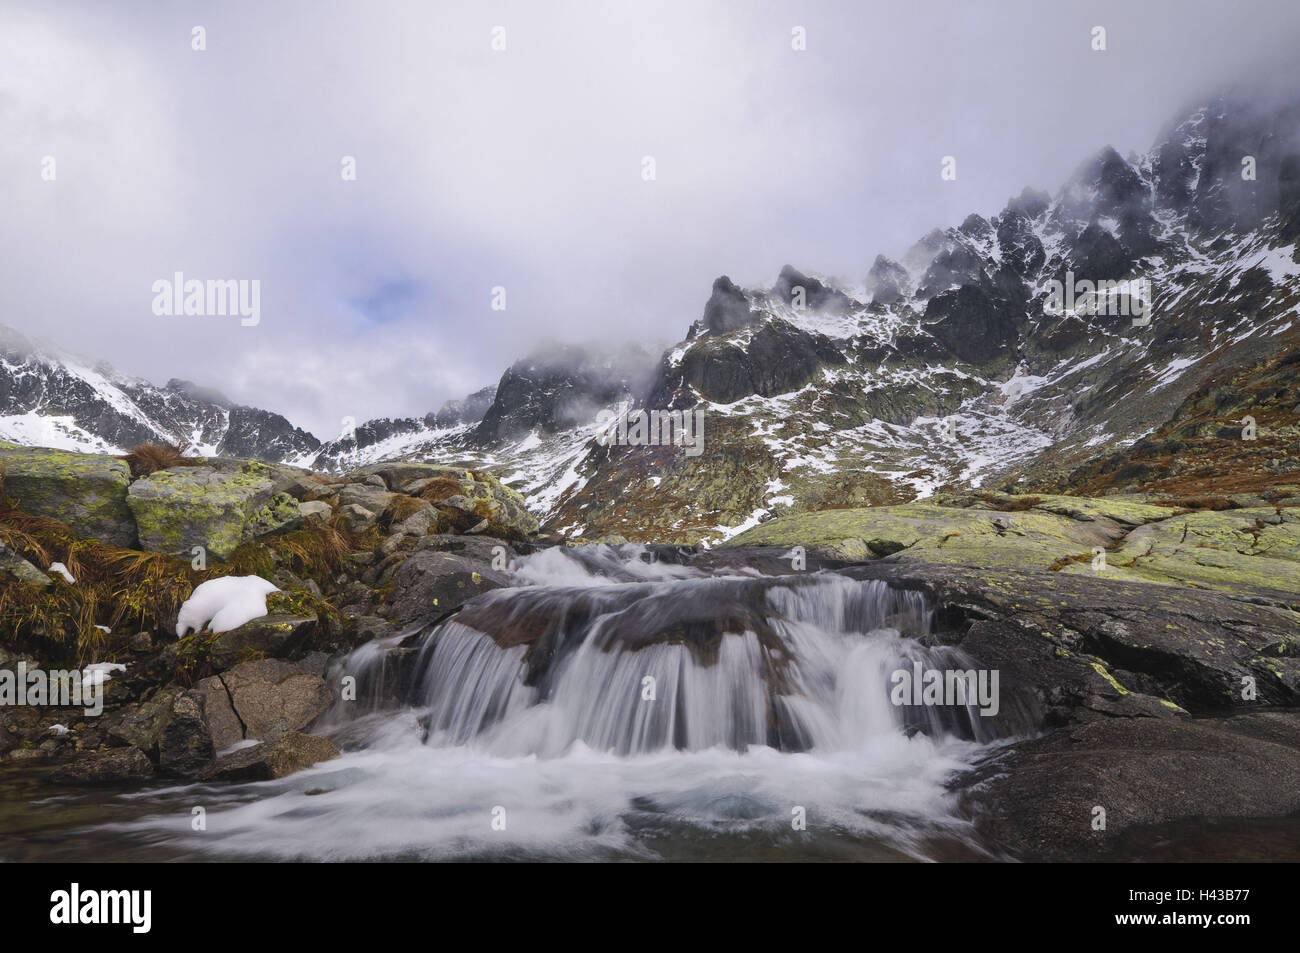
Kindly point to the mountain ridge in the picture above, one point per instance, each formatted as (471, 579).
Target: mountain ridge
(943, 371)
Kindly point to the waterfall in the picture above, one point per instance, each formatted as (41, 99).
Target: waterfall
(604, 648)
(617, 704)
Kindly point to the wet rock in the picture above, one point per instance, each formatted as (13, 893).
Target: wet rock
(430, 583)
(170, 727)
(105, 767)
(1038, 801)
(224, 724)
(273, 635)
(288, 754)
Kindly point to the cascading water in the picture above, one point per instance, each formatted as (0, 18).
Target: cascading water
(680, 663)
(609, 706)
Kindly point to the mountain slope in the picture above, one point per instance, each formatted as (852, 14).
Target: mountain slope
(56, 400)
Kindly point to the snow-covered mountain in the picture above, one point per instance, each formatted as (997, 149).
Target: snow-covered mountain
(52, 399)
(956, 365)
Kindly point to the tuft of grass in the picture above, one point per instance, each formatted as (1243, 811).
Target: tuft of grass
(439, 489)
(147, 458)
(314, 552)
(400, 509)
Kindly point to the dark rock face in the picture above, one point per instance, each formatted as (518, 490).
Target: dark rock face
(976, 227)
(1105, 185)
(887, 281)
(1038, 801)
(171, 728)
(259, 435)
(973, 325)
(728, 309)
(817, 296)
(1110, 671)
(560, 388)
(779, 358)
(1175, 175)
(1030, 204)
(950, 269)
(1098, 256)
(432, 583)
(1045, 630)
(1022, 250)
(468, 411)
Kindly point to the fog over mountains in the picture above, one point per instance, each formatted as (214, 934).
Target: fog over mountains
(943, 369)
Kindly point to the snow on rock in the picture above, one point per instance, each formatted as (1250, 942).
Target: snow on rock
(224, 604)
(62, 570)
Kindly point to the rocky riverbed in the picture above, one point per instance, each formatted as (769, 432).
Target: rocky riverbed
(1147, 646)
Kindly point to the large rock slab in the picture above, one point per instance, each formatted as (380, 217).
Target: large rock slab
(215, 508)
(429, 584)
(1038, 800)
(86, 491)
(1247, 550)
(1036, 537)
(1089, 646)
(271, 697)
(273, 635)
(1253, 548)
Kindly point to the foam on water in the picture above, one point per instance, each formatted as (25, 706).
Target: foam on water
(770, 697)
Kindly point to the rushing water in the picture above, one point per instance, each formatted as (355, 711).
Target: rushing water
(607, 707)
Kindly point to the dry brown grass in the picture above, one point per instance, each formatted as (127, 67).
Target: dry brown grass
(147, 458)
(122, 590)
(439, 489)
(400, 509)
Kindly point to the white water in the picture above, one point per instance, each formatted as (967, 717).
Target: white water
(581, 766)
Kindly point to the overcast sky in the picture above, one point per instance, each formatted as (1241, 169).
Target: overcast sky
(522, 168)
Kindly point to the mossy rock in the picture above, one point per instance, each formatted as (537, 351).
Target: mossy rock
(1234, 550)
(970, 536)
(177, 510)
(86, 491)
